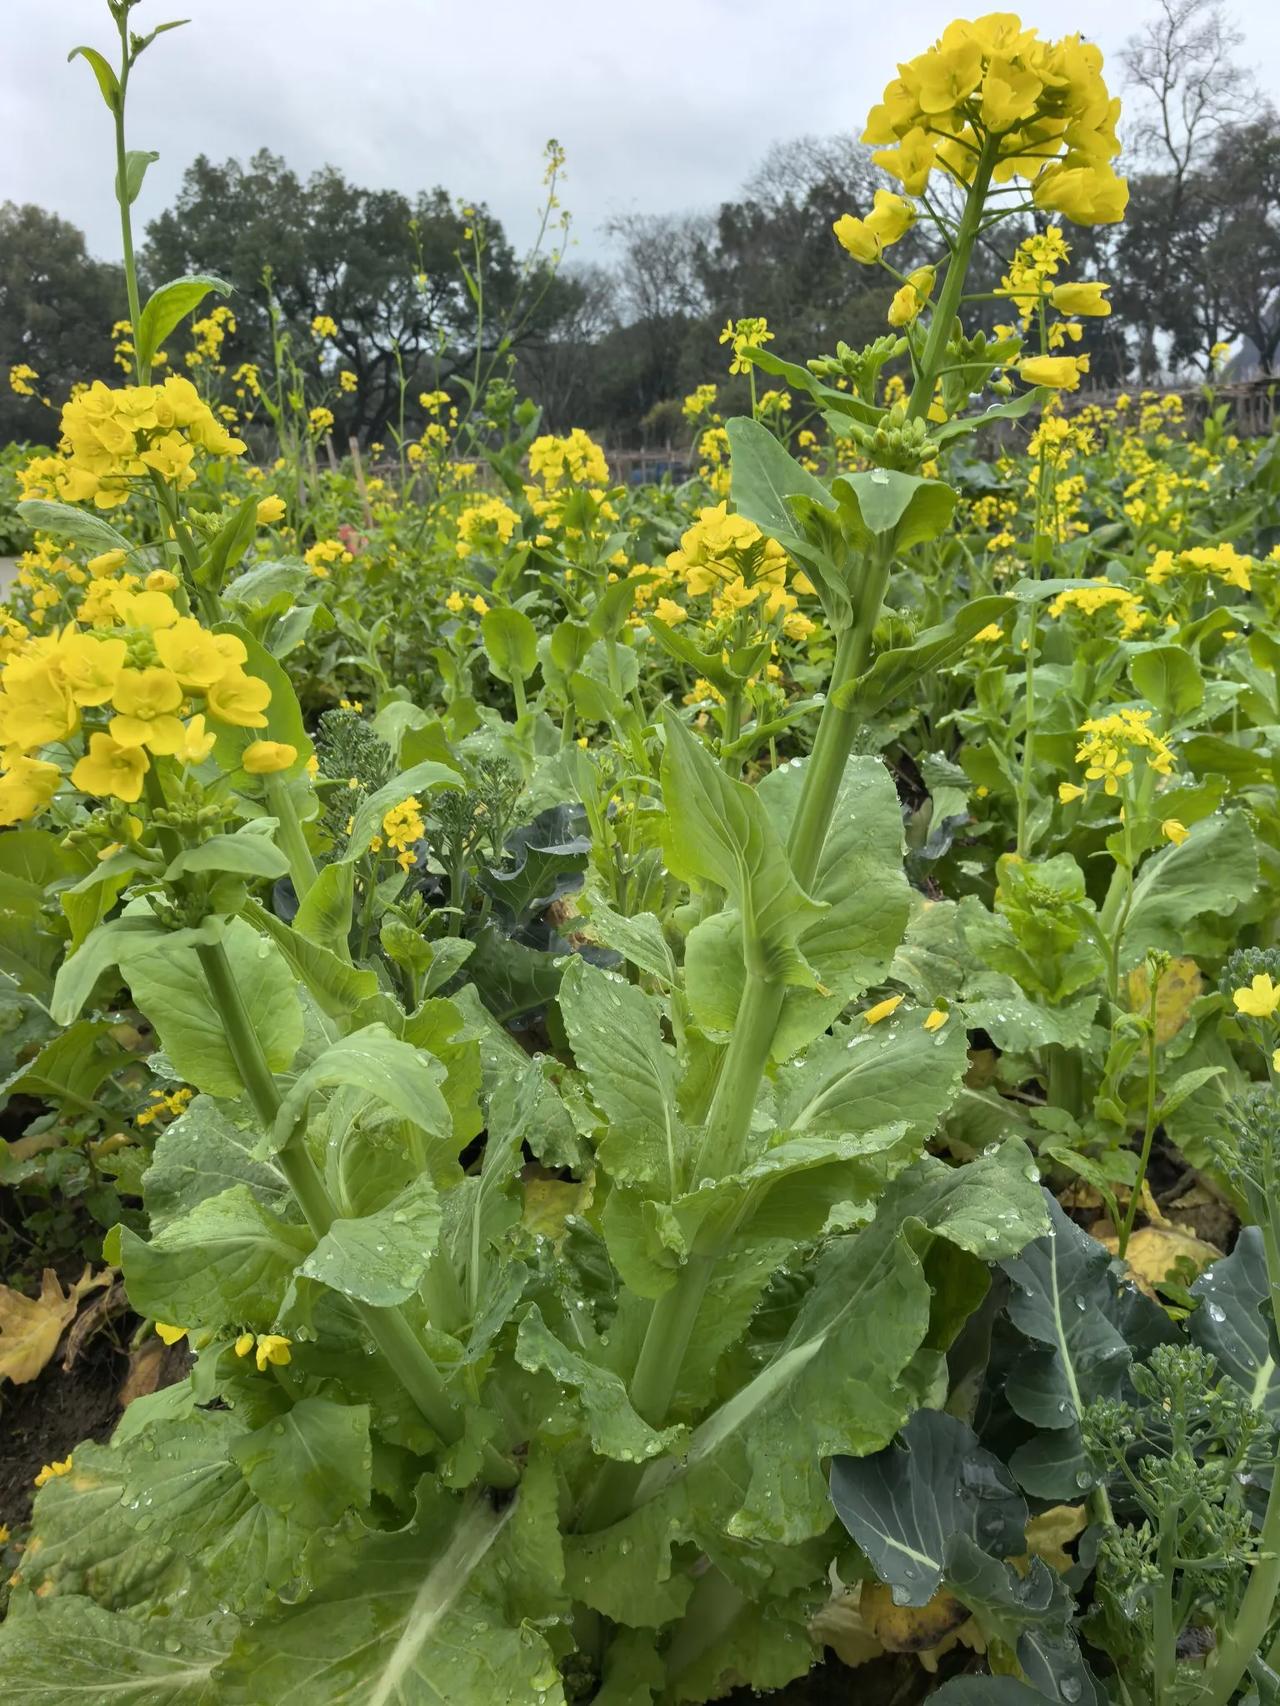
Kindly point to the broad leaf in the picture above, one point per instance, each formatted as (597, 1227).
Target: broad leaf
(72, 1651)
(1234, 1322)
(224, 1264)
(381, 1257)
(168, 305)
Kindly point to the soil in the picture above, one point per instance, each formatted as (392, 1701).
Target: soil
(897, 1680)
(46, 1419)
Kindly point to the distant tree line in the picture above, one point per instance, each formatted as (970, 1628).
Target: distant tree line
(616, 346)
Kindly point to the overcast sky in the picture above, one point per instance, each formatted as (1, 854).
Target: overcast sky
(661, 104)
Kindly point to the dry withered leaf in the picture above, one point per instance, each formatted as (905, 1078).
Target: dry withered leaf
(30, 1327)
(146, 1366)
(1050, 1533)
(90, 1319)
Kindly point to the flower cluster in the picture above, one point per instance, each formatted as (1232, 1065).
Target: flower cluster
(488, 523)
(1109, 747)
(324, 555)
(114, 435)
(1216, 562)
(402, 829)
(1104, 599)
(134, 675)
(991, 91)
(728, 557)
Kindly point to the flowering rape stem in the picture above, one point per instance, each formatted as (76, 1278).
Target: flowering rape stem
(293, 841)
(388, 1328)
(675, 1315)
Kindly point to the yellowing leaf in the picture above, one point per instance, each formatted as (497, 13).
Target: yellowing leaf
(1180, 985)
(1155, 1252)
(30, 1327)
(841, 1626)
(1050, 1533)
(549, 1202)
(910, 1628)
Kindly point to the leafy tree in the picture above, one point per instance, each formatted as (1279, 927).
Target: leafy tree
(57, 306)
(382, 265)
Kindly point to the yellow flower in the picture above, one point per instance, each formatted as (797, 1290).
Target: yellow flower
(478, 605)
(347, 381)
(989, 635)
(668, 611)
(272, 1348)
(1084, 300)
(146, 700)
(195, 656)
(883, 1009)
(51, 1470)
(20, 378)
(319, 420)
(27, 786)
(239, 699)
(455, 602)
(1060, 372)
(1261, 998)
(1068, 791)
(866, 239)
(197, 742)
(937, 1019)
(265, 757)
(161, 580)
(1174, 831)
(169, 1334)
(91, 666)
(912, 297)
(324, 326)
(106, 564)
(270, 510)
(111, 770)
(244, 1344)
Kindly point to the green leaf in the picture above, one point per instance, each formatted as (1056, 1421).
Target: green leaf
(203, 1153)
(615, 1031)
(108, 82)
(381, 1257)
(1085, 1330)
(70, 1070)
(895, 671)
(1234, 1324)
(168, 305)
(862, 1076)
(80, 526)
(854, 1362)
(907, 1505)
(82, 1541)
(1214, 871)
(718, 831)
(987, 1691)
(1168, 678)
(421, 779)
(224, 1264)
(418, 1614)
(248, 853)
(336, 984)
(136, 161)
(170, 987)
(324, 912)
(639, 938)
(312, 1464)
(72, 1651)
(625, 1572)
(861, 882)
(102, 949)
(388, 1070)
(510, 643)
(901, 508)
(616, 1430)
(765, 478)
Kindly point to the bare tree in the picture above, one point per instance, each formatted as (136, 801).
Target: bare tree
(1191, 86)
(657, 267)
(1190, 92)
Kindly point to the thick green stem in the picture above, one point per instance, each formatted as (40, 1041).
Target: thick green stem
(1257, 1609)
(388, 1328)
(293, 840)
(1149, 1129)
(953, 284)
